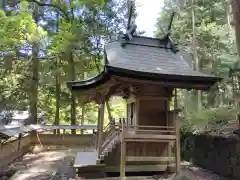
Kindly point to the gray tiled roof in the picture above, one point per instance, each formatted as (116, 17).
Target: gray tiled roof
(147, 58)
(148, 55)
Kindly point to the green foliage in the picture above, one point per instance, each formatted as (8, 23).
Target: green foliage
(215, 45)
(198, 121)
(63, 36)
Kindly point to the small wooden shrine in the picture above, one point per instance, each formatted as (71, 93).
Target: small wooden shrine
(145, 72)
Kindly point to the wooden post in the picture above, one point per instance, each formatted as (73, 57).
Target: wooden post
(123, 153)
(82, 117)
(177, 150)
(38, 139)
(98, 128)
(177, 130)
(169, 149)
(63, 133)
(100, 133)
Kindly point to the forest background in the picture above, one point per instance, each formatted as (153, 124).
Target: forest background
(45, 43)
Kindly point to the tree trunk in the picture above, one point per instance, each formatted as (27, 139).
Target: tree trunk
(236, 17)
(57, 96)
(83, 106)
(58, 87)
(194, 50)
(228, 14)
(72, 68)
(73, 101)
(33, 98)
(2, 4)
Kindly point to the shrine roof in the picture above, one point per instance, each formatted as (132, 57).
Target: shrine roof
(146, 58)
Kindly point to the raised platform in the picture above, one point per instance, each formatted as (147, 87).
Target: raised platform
(86, 165)
(86, 159)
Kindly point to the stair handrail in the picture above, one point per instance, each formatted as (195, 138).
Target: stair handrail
(112, 129)
(108, 139)
(106, 127)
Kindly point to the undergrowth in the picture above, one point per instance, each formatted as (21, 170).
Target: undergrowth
(193, 121)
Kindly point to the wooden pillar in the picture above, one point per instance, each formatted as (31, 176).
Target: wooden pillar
(109, 114)
(177, 130)
(82, 117)
(98, 128)
(177, 150)
(168, 123)
(100, 133)
(123, 153)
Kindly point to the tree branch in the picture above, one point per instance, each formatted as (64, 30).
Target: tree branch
(62, 12)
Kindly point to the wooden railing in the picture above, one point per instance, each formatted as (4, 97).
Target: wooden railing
(148, 133)
(111, 130)
(133, 133)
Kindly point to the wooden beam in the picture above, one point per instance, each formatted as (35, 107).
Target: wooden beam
(163, 83)
(149, 158)
(140, 168)
(113, 89)
(153, 98)
(149, 136)
(150, 140)
(131, 99)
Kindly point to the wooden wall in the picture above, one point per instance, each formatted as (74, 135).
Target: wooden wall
(152, 113)
(153, 149)
(152, 106)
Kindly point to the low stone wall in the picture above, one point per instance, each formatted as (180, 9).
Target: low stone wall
(217, 154)
(14, 149)
(60, 139)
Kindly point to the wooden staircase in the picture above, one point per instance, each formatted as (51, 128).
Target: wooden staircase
(110, 141)
(109, 145)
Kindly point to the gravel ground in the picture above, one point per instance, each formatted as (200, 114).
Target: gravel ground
(55, 163)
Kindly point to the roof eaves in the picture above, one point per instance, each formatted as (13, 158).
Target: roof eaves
(166, 77)
(92, 82)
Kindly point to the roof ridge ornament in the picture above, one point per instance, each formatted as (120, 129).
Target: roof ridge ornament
(169, 29)
(167, 35)
(131, 27)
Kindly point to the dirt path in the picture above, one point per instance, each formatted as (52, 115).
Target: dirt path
(55, 163)
(196, 173)
(47, 164)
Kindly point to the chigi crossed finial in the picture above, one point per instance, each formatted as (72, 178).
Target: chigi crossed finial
(131, 27)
